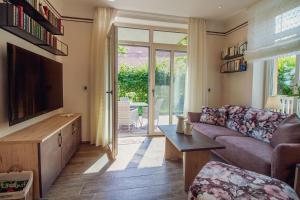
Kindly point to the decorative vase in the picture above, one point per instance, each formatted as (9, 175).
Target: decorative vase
(180, 124)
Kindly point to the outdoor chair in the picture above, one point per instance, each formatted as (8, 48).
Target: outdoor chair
(127, 117)
(158, 104)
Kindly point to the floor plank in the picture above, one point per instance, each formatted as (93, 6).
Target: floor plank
(139, 172)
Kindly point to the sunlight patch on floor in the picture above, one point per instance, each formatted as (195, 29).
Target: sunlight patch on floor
(98, 165)
(126, 152)
(153, 156)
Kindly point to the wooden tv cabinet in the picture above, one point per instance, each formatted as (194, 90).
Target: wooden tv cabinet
(44, 148)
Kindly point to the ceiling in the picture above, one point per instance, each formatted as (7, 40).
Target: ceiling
(209, 9)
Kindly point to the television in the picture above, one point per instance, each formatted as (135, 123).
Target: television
(35, 84)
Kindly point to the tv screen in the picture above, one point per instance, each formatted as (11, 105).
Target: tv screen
(35, 84)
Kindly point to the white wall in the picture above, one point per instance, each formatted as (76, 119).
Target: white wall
(237, 87)
(258, 84)
(214, 46)
(76, 71)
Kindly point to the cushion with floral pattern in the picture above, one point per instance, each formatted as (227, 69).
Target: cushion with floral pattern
(235, 119)
(219, 181)
(214, 116)
(261, 124)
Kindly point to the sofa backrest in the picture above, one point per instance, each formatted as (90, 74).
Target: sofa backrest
(256, 123)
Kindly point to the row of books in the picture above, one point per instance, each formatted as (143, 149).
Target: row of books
(23, 21)
(46, 12)
(234, 66)
(238, 49)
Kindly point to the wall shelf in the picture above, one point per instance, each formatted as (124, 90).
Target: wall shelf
(233, 59)
(229, 72)
(7, 23)
(37, 16)
(23, 34)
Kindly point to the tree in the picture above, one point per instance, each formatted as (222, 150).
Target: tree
(122, 50)
(286, 75)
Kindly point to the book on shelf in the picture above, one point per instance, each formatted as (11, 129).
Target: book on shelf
(33, 3)
(46, 12)
(50, 16)
(26, 23)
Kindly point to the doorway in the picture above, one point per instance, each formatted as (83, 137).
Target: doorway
(151, 72)
(133, 89)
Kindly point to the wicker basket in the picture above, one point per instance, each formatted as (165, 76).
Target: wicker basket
(26, 193)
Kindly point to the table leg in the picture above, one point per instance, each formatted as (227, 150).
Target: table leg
(193, 162)
(171, 153)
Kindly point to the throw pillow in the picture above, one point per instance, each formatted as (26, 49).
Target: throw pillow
(213, 116)
(287, 132)
(236, 118)
(261, 124)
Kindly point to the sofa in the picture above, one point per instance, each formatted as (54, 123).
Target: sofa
(258, 140)
(215, 178)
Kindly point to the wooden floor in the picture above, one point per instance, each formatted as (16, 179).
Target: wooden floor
(139, 173)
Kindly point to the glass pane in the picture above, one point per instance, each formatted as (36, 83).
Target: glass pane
(286, 75)
(162, 88)
(133, 74)
(131, 34)
(180, 68)
(170, 38)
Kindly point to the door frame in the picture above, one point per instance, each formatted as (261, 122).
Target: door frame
(172, 49)
(112, 36)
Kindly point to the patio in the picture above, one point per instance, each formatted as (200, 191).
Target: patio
(142, 130)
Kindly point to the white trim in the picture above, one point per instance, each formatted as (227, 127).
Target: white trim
(152, 17)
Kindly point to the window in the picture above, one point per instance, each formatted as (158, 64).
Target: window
(132, 34)
(164, 37)
(284, 76)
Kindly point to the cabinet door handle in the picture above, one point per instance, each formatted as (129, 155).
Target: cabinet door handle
(59, 140)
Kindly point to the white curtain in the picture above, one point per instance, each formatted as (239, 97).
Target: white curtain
(196, 93)
(274, 28)
(99, 62)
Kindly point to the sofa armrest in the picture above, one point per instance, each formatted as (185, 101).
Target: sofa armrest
(284, 159)
(194, 116)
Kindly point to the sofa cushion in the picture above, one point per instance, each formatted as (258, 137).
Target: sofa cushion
(246, 152)
(287, 132)
(261, 124)
(218, 181)
(213, 116)
(213, 131)
(235, 119)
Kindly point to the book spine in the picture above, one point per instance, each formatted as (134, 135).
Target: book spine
(59, 26)
(21, 17)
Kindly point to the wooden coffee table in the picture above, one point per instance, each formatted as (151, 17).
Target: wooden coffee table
(194, 150)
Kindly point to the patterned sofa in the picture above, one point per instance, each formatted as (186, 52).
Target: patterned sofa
(219, 181)
(258, 140)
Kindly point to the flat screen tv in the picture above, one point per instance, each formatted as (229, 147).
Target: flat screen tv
(35, 84)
